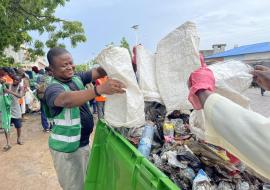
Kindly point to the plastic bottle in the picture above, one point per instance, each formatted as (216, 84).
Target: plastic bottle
(146, 139)
(168, 131)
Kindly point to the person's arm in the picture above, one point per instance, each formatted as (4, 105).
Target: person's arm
(244, 133)
(78, 98)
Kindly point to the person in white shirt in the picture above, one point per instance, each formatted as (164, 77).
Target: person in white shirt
(244, 133)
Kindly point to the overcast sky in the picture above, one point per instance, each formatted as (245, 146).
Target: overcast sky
(218, 21)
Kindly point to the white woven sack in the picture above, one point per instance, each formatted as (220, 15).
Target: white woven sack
(146, 72)
(122, 110)
(177, 56)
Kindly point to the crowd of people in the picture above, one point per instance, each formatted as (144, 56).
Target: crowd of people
(22, 91)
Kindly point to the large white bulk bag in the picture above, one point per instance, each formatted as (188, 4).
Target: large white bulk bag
(122, 110)
(177, 56)
(146, 73)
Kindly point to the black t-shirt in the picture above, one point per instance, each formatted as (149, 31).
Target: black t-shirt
(53, 90)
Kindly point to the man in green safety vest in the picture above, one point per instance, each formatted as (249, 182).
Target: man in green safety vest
(66, 100)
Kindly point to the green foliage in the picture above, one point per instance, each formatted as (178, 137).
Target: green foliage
(125, 44)
(81, 67)
(86, 66)
(19, 17)
(8, 62)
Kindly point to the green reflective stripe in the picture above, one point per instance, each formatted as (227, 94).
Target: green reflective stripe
(63, 138)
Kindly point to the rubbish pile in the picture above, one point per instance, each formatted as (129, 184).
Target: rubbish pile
(190, 163)
(148, 113)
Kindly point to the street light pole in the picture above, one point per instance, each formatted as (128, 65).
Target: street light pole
(136, 28)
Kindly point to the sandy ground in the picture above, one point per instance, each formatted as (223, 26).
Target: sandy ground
(30, 167)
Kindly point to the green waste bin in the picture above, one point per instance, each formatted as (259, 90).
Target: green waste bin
(115, 164)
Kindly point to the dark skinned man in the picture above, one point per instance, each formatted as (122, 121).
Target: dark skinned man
(66, 101)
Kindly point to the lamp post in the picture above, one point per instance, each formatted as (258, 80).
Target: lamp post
(136, 28)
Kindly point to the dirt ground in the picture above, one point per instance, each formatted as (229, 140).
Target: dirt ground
(28, 166)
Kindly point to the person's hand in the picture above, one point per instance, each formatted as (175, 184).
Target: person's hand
(261, 75)
(111, 86)
(201, 79)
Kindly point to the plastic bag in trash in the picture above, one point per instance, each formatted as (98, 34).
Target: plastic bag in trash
(242, 185)
(170, 156)
(223, 185)
(201, 181)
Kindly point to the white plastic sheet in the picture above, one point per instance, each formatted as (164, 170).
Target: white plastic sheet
(146, 72)
(232, 79)
(177, 56)
(122, 110)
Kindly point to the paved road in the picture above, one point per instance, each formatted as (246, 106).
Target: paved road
(260, 104)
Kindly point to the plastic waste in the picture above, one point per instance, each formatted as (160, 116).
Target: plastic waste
(242, 185)
(201, 181)
(223, 185)
(179, 127)
(146, 139)
(168, 131)
(187, 155)
(266, 187)
(232, 78)
(170, 156)
(157, 160)
(188, 173)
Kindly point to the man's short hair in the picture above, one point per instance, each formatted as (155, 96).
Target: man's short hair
(54, 52)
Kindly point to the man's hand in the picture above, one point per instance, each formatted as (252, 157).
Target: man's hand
(111, 86)
(261, 75)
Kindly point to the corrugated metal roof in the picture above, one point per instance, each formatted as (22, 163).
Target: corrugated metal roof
(247, 49)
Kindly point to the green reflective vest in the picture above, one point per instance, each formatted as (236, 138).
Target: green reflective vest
(66, 130)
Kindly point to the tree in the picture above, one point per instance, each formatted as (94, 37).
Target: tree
(125, 44)
(19, 17)
(81, 68)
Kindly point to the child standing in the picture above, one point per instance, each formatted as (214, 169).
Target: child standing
(16, 91)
